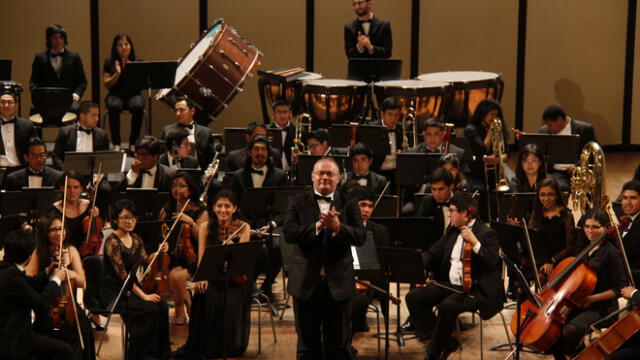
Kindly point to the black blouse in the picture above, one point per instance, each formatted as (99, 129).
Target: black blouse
(118, 88)
(608, 265)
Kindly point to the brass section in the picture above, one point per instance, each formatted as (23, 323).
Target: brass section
(587, 181)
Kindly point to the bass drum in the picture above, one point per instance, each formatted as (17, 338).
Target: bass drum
(214, 70)
(468, 88)
(333, 101)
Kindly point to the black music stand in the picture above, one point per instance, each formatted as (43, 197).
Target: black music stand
(5, 69)
(524, 208)
(275, 136)
(223, 262)
(512, 241)
(387, 207)
(52, 103)
(148, 201)
(234, 139)
(2, 170)
(31, 203)
(400, 265)
(373, 135)
(415, 168)
(89, 163)
(410, 232)
(8, 224)
(150, 75)
(371, 70)
(257, 203)
(556, 149)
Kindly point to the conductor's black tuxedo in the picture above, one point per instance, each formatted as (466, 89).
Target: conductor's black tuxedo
(202, 135)
(67, 138)
(321, 275)
(19, 179)
(379, 34)
(71, 75)
(19, 295)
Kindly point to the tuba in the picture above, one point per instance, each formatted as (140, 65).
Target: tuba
(587, 180)
(502, 185)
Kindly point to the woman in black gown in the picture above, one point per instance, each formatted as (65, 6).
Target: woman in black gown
(48, 239)
(146, 315)
(76, 207)
(208, 322)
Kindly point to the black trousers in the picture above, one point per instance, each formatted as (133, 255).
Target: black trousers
(115, 105)
(323, 326)
(148, 326)
(44, 347)
(270, 263)
(422, 300)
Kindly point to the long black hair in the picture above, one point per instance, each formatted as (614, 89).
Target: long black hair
(213, 219)
(530, 149)
(114, 47)
(484, 107)
(194, 191)
(42, 237)
(537, 213)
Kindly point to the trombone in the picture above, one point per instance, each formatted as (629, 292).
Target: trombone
(303, 126)
(498, 145)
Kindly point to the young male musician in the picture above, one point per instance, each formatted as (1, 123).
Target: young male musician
(178, 148)
(322, 227)
(19, 300)
(367, 36)
(361, 160)
(14, 134)
(145, 172)
(631, 236)
(445, 260)
(390, 111)
(282, 120)
(36, 174)
(236, 159)
(199, 135)
(318, 144)
(437, 205)
(433, 137)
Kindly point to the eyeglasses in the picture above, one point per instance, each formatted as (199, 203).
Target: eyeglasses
(325, 173)
(38, 156)
(7, 102)
(128, 218)
(55, 229)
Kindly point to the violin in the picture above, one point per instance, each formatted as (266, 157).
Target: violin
(466, 267)
(92, 226)
(185, 246)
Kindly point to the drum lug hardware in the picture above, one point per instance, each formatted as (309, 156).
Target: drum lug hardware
(192, 45)
(224, 66)
(205, 91)
(232, 61)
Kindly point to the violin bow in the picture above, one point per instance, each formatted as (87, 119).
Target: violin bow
(615, 223)
(386, 187)
(234, 234)
(532, 257)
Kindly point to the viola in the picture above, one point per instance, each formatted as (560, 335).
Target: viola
(157, 280)
(616, 335)
(466, 267)
(92, 226)
(185, 246)
(62, 310)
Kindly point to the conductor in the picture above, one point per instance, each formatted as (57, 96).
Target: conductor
(322, 226)
(367, 36)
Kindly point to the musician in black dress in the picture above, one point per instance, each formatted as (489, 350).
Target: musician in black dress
(46, 258)
(607, 263)
(555, 225)
(209, 320)
(367, 36)
(530, 169)
(146, 314)
(120, 97)
(361, 160)
(58, 66)
(183, 188)
(76, 208)
(445, 259)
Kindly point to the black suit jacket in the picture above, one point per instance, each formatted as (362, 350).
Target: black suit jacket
(485, 266)
(631, 242)
(202, 135)
(430, 208)
(584, 129)
(422, 149)
(188, 163)
(235, 159)
(379, 34)
(312, 252)
(375, 181)
(23, 131)
(162, 181)
(19, 179)
(67, 138)
(18, 297)
(288, 140)
(71, 76)
(241, 181)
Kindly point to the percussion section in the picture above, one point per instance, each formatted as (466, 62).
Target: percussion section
(284, 87)
(214, 70)
(333, 101)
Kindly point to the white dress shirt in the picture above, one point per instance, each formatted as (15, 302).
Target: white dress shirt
(456, 271)
(35, 181)
(84, 141)
(10, 157)
(258, 179)
(389, 162)
(285, 162)
(324, 207)
(148, 180)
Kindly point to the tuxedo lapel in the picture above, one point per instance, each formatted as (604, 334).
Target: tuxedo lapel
(248, 180)
(72, 138)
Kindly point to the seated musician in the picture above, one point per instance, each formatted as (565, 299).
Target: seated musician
(183, 188)
(437, 205)
(20, 297)
(318, 144)
(445, 259)
(178, 149)
(120, 98)
(49, 238)
(14, 135)
(199, 135)
(530, 169)
(452, 163)
(380, 235)
(145, 172)
(631, 348)
(76, 208)
(259, 172)
(145, 313)
(390, 112)
(236, 159)
(481, 140)
(361, 160)
(555, 224)
(558, 123)
(282, 120)
(631, 236)
(208, 322)
(607, 264)
(58, 66)
(36, 174)
(433, 136)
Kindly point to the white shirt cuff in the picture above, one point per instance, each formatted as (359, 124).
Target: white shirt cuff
(131, 177)
(57, 280)
(476, 247)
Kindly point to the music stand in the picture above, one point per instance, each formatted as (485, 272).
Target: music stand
(29, 202)
(371, 70)
(52, 103)
(275, 137)
(150, 75)
(373, 135)
(223, 262)
(5, 69)
(400, 265)
(89, 163)
(410, 232)
(412, 168)
(148, 201)
(556, 149)
(234, 139)
(387, 207)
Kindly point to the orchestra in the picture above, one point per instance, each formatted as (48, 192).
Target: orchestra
(320, 187)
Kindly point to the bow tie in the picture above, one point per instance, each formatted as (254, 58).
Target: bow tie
(391, 130)
(33, 173)
(320, 197)
(443, 204)
(148, 172)
(12, 121)
(259, 172)
(364, 21)
(87, 131)
(358, 177)
(175, 161)
(190, 126)
(53, 55)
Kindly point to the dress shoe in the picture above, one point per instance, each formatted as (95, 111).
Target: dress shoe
(408, 326)
(452, 346)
